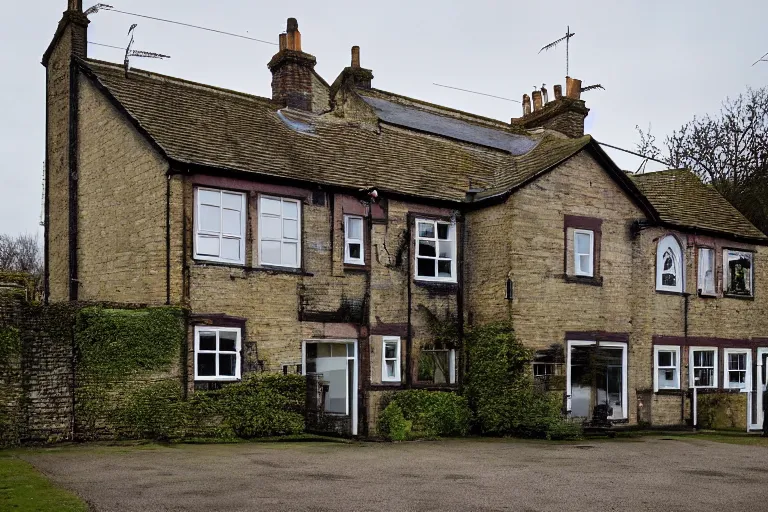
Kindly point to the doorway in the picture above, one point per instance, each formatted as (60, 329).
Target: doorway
(596, 374)
(755, 405)
(333, 364)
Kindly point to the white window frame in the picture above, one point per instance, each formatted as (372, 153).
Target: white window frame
(727, 273)
(577, 270)
(691, 368)
(702, 281)
(570, 344)
(220, 234)
(666, 348)
(238, 348)
(747, 368)
(670, 242)
(348, 240)
(282, 239)
(388, 340)
(451, 238)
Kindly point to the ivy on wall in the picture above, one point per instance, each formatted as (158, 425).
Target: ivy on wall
(10, 386)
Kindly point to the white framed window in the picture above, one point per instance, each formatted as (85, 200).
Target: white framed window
(435, 251)
(670, 270)
(217, 353)
(354, 246)
(583, 252)
(220, 225)
(703, 367)
(437, 366)
(390, 361)
(706, 283)
(279, 232)
(667, 367)
(738, 273)
(738, 364)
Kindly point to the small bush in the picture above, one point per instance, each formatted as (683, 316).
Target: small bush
(500, 389)
(433, 413)
(392, 425)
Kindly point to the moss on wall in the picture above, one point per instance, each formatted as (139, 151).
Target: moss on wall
(11, 426)
(722, 411)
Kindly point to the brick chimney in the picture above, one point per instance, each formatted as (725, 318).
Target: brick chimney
(292, 71)
(71, 34)
(353, 76)
(564, 114)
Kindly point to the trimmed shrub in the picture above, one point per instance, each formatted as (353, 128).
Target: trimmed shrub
(392, 425)
(500, 389)
(430, 413)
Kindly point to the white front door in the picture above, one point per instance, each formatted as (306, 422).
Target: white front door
(755, 403)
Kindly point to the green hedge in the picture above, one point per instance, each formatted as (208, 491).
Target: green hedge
(500, 388)
(418, 413)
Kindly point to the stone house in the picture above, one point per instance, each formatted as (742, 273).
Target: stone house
(327, 229)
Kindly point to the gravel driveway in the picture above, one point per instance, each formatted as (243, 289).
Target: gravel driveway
(650, 474)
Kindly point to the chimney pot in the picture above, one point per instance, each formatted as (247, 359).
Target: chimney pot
(544, 95)
(293, 25)
(573, 88)
(283, 42)
(526, 104)
(75, 5)
(355, 56)
(536, 100)
(293, 36)
(558, 92)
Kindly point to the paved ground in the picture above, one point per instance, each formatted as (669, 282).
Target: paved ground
(483, 475)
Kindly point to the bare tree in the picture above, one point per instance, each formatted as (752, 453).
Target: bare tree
(728, 150)
(20, 254)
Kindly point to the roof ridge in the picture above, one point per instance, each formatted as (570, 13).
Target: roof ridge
(444, 110)
(181, 81)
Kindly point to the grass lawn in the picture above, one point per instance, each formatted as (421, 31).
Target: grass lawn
(23, 488)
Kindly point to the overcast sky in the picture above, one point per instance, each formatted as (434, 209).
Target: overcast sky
(661, 61)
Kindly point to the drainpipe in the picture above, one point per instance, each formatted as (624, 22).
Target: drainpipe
(686, 306)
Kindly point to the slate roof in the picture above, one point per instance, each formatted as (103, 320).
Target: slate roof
(417, 149)
(682, 199)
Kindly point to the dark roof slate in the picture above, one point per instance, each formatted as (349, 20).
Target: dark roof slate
(682, 199)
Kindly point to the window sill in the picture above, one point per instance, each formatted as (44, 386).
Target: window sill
(356, 267)
(591, 281)
(268, 269)
(668, 392)
(739, 297)
(670, 292)
(444, 286)
(215, 379)
(703, 295)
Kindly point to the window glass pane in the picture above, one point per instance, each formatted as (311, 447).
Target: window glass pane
(425, 267)
(666, 359)
(270, 252)
(227, 365)
(433, 366)
(427, 248)
(210, 218)
(290, 210)
(206, 365)
(270, 206)
(446, 249)
(584, 263)
(291, 229)
(390, 350)
(443, 268)
(443, 231)
(211, 197)
(703, 377)
(290, 254)
(232, 201)
(230, 249)
(227, 341)
(350, 350)
(270, 228)
(354, 251)
(355, 228)
(390, 369)
(207, 341)
(667, 378)
(426, 230)
(207, 245)
(582, 244)
(703, 358)
(736, 378)
(232, 225)
(739, 272)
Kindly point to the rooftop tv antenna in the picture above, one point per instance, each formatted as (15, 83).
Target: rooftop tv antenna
(130, 52)
(567, 38)
(96, 8)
